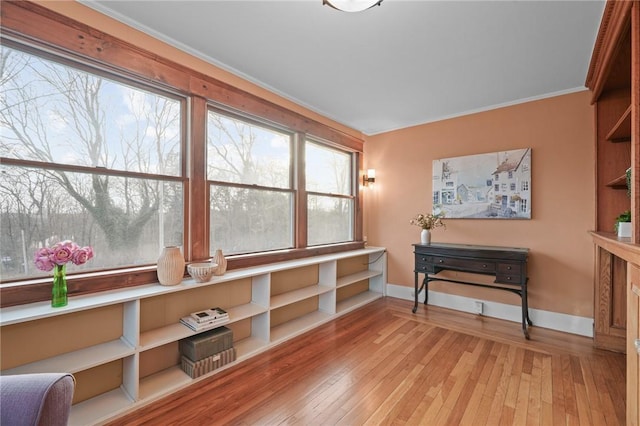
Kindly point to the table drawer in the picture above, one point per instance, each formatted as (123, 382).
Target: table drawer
(468, 265)
(424, 267)
(507, 278)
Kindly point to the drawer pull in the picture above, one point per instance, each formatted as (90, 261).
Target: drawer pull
(441, 261)
(484, 265)
(637, 343)
(424, 267)
(508, 268)
(424, 259)
(508, 278)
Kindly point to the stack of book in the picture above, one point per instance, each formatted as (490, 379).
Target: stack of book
(207, 351)
(205, 320)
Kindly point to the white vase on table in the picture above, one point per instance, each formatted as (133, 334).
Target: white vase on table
(425, 236)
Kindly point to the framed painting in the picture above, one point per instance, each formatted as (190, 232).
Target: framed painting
(495, 185)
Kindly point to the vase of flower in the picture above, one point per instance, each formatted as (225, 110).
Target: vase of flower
(59, 289)
(55, 258)
(171, 266)
(219, 258)
(428, 222)
(425, 237)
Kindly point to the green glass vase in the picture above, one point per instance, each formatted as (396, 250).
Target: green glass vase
(59, 290)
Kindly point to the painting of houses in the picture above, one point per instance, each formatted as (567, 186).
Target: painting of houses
(493, 185)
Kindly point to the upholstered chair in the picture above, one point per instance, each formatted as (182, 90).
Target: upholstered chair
(36, 399)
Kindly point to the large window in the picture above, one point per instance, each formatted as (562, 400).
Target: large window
(249, 168)
(330, 200)
(111, 146)
(86, 157)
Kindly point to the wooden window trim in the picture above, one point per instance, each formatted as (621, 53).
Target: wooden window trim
(43, 29)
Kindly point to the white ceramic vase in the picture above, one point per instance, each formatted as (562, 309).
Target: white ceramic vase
(425, 236)
(219, 258)
(170, 266)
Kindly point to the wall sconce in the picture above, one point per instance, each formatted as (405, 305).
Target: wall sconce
(369, 178)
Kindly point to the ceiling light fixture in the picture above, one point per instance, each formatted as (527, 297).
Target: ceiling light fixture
(352, 5)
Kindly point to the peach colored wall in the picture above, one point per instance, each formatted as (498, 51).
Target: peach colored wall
(560, 131)
(97, 20)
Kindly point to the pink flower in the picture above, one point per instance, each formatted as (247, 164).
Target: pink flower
(44, 263)
(80, 256)
(42, 252)
(61, 254)
(89, 251)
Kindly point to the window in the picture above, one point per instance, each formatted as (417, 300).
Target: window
(512, 186)
(525, 185)
(86, 156)
(330, 200)
(523, 205)
(250, 183)
(95, 147)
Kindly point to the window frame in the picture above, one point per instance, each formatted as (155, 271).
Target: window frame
(50, 33)
(353, 185)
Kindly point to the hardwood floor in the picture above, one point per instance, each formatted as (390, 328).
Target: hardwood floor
(382, 364)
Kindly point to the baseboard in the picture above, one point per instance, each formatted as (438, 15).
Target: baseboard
(573, 324)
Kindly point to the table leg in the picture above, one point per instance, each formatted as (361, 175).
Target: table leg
(415, 294)
(425, 284)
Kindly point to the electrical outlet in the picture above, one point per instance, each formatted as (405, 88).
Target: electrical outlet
(479, 306)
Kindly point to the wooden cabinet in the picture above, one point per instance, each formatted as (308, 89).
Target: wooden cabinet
(614, 78)
(122, 346)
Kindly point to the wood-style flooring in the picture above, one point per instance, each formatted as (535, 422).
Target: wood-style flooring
(381, 364)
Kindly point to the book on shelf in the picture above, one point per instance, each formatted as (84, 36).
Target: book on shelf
(209, 315)
(200, 326)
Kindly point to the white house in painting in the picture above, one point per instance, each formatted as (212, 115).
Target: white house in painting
(512, 186)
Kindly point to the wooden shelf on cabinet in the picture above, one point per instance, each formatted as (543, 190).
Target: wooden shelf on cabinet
(618, 183)
(621, 131)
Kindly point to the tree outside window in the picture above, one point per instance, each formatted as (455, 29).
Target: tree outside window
(86, 157)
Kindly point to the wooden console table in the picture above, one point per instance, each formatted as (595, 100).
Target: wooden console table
(507, 264)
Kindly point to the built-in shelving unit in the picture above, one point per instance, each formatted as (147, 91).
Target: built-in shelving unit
(614, 78)
(137, 346)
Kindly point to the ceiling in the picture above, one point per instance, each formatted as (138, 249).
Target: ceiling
(397, 65)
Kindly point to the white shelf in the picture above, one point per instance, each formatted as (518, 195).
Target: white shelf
(298, 295)
(241, 312)
(356, 301)
(245, 348)
(79, 360)
(99, 408)
(163, 335)
(298, 326)
(163, 383)
(135, 391)
(358, 276)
